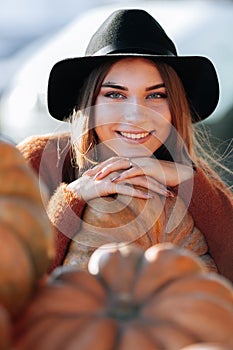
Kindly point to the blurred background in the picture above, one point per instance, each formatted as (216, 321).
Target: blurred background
(34, 34)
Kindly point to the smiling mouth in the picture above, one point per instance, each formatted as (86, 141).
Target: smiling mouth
(134, 136)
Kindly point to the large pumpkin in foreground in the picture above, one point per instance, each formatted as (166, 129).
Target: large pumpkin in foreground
(129, 299)
(26, 236)
(143, 222)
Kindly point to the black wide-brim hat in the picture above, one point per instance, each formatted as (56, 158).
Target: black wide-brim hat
(133, 33)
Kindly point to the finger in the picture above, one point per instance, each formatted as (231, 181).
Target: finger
(94, 170)
(145, 171)
(134, 171)
(105, 187)
(125, 189)
(150, 184)
(113, 164)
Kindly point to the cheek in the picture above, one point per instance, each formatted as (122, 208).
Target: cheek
(166, 131)
(163, 127)
(103, 115)
(163, 119)
(101, 132)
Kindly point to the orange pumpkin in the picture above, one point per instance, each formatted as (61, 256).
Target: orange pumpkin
(161, 298)
(26, 236)
(17, 178)
(139, 221)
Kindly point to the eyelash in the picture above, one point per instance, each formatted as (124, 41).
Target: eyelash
(110, 93)
(158, 95)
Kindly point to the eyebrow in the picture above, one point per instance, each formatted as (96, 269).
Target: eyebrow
(114, 86)
(120, 87)
(154, 87)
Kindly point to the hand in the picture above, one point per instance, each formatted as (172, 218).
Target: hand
(153, 174)
(89, 187)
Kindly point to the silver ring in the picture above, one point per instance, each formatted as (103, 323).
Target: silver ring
(130, 163)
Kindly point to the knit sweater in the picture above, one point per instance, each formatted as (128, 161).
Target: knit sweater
(210, 204)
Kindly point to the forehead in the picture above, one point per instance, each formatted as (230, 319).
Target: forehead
(134, 67)
(133, 61)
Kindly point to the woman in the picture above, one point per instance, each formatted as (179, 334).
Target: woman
(132, 103)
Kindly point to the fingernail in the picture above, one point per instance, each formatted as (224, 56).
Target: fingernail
(115, 178)
(166, 193)
(170, 194)
(98, 174)
(163, 188)
(148, 195)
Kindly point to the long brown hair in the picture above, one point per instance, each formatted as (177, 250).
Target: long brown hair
(84, 138)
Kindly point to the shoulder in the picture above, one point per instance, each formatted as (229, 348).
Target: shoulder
(207, 173)
(34, 147)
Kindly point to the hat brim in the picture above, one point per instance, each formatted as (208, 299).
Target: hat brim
(196, 72)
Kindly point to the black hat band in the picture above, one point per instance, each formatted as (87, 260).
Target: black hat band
(124, 47)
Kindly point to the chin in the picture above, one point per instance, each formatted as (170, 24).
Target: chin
(133, 154)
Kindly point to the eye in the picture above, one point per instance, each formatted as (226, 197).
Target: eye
(114, 95)
(157, 95)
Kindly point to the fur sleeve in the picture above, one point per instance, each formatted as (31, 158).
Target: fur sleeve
(64, 210)
(211, 205)
(49, 156)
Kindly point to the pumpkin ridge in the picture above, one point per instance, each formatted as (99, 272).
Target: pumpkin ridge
(109, 216)
(202, 296)
(30, 325)
(26, 248)
(119, 332)
(80, 286)
(69, 338)
(161, 288)
(184, 308)
(209, 286)
(146, 230)
(183, 264)
(24, 245)
(135, 251)
(105, 285)
(148, 335)
(23, 182)
(200, 247)
(182, 224)
(50, 318)
(31, 225)
(9, 301)
(169, 324)
(139, 268)
(210, 305)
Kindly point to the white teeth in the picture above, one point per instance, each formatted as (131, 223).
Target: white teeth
(134, 136)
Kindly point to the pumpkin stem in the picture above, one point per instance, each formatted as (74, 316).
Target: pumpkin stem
(122, 307)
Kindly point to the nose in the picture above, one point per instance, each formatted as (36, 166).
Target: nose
(135, 112)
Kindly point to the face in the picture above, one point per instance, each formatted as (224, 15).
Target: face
(132, 117)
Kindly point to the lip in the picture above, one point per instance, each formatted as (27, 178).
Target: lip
(134, 136)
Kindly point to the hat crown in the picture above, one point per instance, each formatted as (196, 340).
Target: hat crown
(131, 30)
